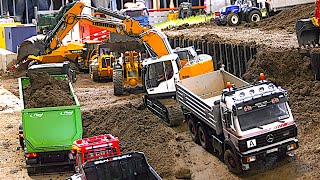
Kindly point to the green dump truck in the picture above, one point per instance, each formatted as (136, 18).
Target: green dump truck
(47, 134)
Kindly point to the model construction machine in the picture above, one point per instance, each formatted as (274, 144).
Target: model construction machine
(127, 72)
(46, 134)
(159, 73)
(99, 157)
(110, 55)
(308, 33)
(244, 123)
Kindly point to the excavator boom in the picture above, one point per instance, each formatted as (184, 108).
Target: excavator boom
(155, 41)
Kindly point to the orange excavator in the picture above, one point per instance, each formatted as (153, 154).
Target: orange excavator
(160, 72)
(308, 33)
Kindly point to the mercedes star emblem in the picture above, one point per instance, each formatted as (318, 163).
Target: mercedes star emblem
(270, 138)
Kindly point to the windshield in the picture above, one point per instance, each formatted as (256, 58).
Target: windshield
(106, 61)
(184, 55)
(263, 116)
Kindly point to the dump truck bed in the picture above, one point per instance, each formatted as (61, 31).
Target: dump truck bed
(131, 166)
(198, 95)
(50, 128)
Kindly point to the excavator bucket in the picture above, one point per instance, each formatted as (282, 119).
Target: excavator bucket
(307, 33)
(30, 46)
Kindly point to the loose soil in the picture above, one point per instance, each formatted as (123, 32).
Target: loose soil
(170, 150)
(47, 91)
(286, 19)
(138, 130)
(277, 31)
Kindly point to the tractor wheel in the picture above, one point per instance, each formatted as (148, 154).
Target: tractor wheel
(204, 138)
(233, 19)
(254, 16)
(232, 161)
(118, 83)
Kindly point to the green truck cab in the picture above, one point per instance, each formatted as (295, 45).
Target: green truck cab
(47, 134)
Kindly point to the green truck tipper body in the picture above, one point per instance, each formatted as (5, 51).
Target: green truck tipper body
(50, 131)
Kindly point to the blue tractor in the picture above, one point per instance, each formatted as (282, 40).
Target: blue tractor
(242, 10)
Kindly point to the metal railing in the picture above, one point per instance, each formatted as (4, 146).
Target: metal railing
(234, 56)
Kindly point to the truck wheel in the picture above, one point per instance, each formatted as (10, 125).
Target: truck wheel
(94, 75)
(233, 19)
(254, 16)
(204, 138)
(31, 170)
(117, 83)
(193, 130)
(232, 161)
(21, 139)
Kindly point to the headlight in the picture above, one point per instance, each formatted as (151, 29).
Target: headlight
(251, 159)
(292, 147)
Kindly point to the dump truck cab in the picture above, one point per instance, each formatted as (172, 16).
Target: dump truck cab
(94, 148)
(244, 123)
(261, 120)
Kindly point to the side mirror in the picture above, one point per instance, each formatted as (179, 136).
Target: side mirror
(217, 102)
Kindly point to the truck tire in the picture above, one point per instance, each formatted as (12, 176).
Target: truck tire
(118, 88)
(31, 170)
(94, 75)
(193, 130)
(233, 19)
(204, 138)
(21, 139)
(232, 161)
(254, 16)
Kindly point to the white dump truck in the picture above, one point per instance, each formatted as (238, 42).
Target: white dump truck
(243, 122)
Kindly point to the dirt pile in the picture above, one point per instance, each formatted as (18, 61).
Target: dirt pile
(47, 91)
(138, 130)
(286, 19)
(287, 69)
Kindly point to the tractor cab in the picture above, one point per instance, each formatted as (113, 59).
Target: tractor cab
(94, 148)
